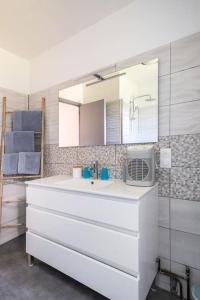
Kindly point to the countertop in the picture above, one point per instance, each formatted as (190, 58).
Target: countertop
(116, 188)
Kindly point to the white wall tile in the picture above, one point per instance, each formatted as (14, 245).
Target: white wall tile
(185, 53)
(185, 248)
(163, 212)
(163, 123)
(185, 215)
(164, 90)
(164, 243)
(185, 85)
(185, 118)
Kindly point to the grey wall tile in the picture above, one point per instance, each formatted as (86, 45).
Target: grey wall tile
(185, 248)
(164, 141)
(164, 243)
(185, 215)
(185, 183)
(185, 118)
(65, 155)
(57, 169)
(163, 182)
(163, 216)
(185, 150)
(185, 85)
(185, 53)
(121, 154)
(86, 155)
(164, 90)
(104, 154)
(119, 171)
(163, 123)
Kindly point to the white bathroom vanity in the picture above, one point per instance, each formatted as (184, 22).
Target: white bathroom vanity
(103, 234)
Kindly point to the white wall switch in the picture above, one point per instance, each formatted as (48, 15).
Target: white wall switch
(165, 158)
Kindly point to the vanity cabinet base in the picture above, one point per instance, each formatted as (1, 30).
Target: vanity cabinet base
(105, 241)
(108, 281)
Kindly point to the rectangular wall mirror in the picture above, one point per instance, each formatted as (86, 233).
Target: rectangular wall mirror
(117, 108)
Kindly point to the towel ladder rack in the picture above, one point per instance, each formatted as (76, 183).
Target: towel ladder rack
(14, 178)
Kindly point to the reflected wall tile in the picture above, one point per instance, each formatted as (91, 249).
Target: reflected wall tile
(163, 123)
(185, 248)
(185, 53)
(163, 216)
(185, 150)
(164, 90)
(185, 183)
(185, 215)
(185, 85)
(185, 118)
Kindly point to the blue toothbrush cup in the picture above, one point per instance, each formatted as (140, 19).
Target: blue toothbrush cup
(104, 173)
(86, 172)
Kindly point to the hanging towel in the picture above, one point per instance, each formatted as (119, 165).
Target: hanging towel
(19, 141)
(29, 163)
(27, 120)
(10, 163)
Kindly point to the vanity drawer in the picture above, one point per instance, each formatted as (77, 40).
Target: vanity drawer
(104, 279)
(116, 212)
(111, 247)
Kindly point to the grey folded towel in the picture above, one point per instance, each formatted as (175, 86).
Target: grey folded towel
(19, 141)
(29, 163)
(27, 120)
(10, 163)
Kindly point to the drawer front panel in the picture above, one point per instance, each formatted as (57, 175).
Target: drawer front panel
(114, 248)
(115, 212)
(104, 279)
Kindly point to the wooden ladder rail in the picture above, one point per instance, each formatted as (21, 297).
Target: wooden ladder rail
(3, 128)
(5, 178)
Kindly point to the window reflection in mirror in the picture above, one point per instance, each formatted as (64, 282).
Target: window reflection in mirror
(120, 107)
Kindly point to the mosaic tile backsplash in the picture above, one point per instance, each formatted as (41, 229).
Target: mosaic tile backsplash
(179, 129)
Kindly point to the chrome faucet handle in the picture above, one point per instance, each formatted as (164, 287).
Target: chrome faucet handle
(94, 170)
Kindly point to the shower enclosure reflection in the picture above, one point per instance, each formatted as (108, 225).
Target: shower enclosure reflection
(111, 108)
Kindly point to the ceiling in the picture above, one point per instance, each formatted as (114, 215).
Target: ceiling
(29, 27)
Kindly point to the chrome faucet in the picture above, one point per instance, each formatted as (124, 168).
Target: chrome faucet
(95, 170)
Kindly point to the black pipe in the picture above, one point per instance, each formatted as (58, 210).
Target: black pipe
(187, 272)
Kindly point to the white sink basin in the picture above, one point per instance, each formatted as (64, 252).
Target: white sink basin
(84, 183)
